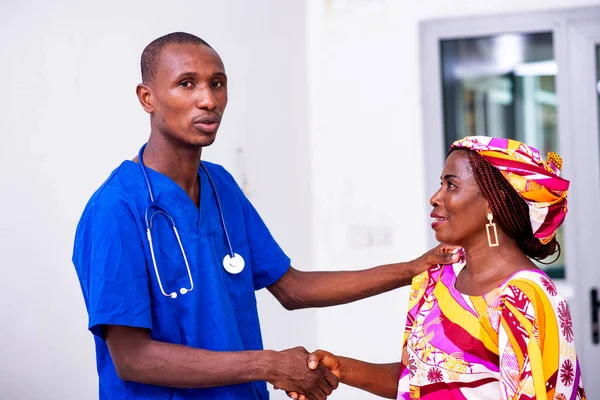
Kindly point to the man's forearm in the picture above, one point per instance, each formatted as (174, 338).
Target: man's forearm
(171, 365)
(299, 289)
(139, 358)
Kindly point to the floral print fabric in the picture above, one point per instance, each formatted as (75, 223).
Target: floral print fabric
(515, 342)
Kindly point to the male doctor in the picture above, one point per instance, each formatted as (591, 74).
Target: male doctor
(173, 311)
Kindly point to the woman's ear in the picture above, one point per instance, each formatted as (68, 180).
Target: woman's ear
(145, 96)
(488, 208)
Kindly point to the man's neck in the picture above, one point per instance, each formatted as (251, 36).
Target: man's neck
(177, 162)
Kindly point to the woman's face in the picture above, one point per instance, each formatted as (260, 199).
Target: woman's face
(459, 208)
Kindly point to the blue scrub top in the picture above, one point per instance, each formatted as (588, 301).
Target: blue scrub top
(113, 262)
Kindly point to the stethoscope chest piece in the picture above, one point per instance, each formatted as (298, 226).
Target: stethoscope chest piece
(234, 265)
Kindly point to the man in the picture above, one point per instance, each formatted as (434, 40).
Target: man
(171, 318)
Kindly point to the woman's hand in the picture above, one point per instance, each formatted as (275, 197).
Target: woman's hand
(331, 362)
(327, 359)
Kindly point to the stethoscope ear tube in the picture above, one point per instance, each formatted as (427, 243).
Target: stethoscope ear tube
(231, 254)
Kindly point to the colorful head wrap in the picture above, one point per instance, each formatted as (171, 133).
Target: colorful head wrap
(537, 181)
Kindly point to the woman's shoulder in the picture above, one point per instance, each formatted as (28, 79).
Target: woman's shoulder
(533, 292)
(532, 305)
(531, 281)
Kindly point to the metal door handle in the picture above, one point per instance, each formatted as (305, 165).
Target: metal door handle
(595, 311)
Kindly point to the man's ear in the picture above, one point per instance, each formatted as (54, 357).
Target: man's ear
(145, 96)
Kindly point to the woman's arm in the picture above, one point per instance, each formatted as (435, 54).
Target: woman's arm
(379, 379)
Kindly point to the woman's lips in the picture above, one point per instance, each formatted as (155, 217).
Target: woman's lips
(438, 220)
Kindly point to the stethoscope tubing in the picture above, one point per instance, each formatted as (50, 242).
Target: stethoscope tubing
(159, 210)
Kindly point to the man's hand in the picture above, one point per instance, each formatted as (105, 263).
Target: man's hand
(292, 374)
(316, 359)
(441, 254)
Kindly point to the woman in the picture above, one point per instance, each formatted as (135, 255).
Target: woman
(493, 325)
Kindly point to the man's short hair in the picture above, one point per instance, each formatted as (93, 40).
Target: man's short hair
(151, 54)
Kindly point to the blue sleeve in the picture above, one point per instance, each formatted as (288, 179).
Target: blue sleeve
(269, 262)
(110, 262)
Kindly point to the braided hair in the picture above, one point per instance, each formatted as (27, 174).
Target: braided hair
(508, 208)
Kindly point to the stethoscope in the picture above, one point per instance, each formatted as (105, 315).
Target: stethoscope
(232, 262)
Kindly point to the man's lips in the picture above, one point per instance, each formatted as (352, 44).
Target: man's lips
(207, 119)
(207, 124)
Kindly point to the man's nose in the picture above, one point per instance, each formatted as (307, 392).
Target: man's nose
(206, 99)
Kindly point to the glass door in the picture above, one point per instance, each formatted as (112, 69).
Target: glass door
(534, 77)
(582, 77)
(503, 86)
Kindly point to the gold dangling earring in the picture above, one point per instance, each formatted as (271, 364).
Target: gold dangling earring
(488, 228)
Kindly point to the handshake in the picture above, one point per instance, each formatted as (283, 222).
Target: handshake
(304, 375)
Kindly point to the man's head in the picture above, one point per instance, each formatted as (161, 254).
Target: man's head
(151, 54)
(184, 88)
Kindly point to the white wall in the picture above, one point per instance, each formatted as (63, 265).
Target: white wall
(367, 152)
(326, 91)
(69, 115)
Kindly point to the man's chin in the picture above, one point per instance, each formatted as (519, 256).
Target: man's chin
(204, 141)
(203, 144)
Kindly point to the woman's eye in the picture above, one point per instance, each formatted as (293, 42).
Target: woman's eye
(451, 185)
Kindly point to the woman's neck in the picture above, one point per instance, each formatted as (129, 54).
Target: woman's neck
(487, 267)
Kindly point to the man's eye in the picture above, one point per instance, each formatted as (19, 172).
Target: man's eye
(217, 85)
(186, 84)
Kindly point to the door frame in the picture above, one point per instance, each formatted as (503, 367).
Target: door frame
(582, 36)
(573, 35)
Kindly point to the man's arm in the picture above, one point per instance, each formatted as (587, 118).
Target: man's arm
(139, 358)
(297, 289)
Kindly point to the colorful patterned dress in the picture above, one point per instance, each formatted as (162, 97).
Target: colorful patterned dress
(515, 342)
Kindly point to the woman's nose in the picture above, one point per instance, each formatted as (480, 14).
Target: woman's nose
(435, 200)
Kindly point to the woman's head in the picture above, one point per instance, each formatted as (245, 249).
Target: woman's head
(508, 179)
(459, 207)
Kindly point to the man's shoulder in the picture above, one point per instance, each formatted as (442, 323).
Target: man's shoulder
(219, 175)
(115, 189)
(216, 169)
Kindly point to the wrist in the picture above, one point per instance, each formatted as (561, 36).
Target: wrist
(342, 368)
(411, 267)
(409, 270)
(418, 266)
(266, 365)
